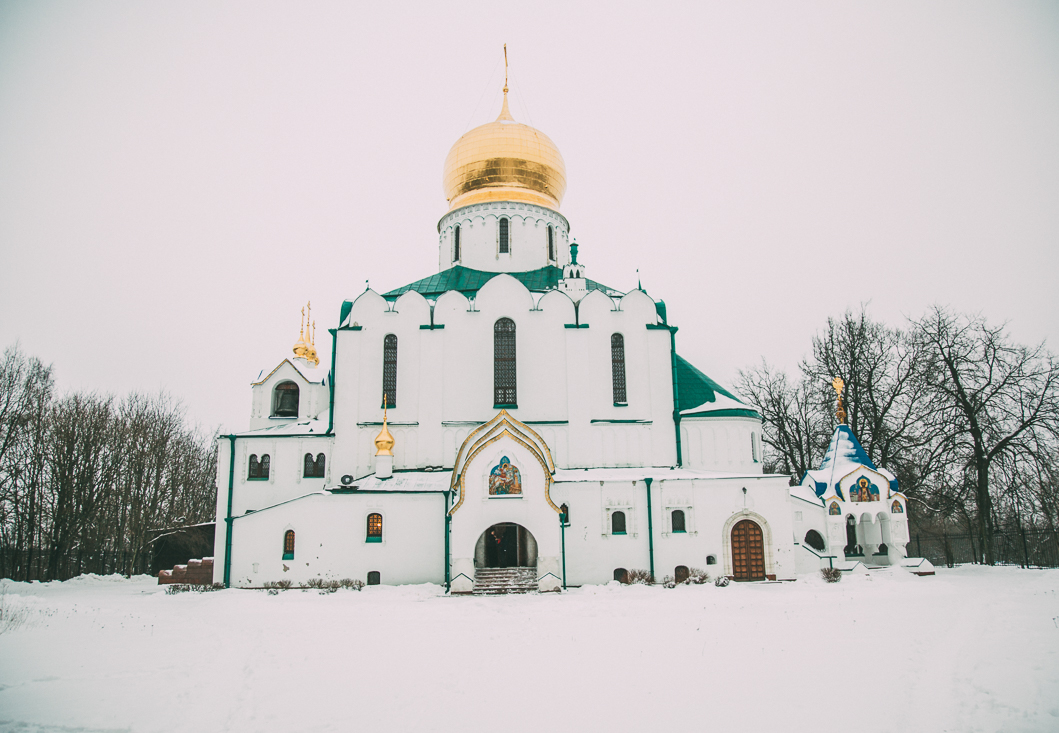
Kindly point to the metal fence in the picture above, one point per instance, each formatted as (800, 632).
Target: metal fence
(1028, 548)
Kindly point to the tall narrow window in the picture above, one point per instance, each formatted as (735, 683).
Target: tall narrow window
(456, 243)
(389, 370)
(309, 471)
(320, 465)
(257, 468)
(374, 527)
(505, 245)
(753, 447)
(285, 400)
(551, 243)
(617, 367)
(264, 466)
(564, 514)
(617, 523)
(288, 545)
(678, 521)
(504, 363)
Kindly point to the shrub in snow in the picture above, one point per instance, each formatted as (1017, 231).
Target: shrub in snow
(722, 581)
(351, 584)
(831, 575)
(644, 577)
(278, 584)
(669, 582)
(273, 591)
(697, 577)
(177, 588)
(11, 616)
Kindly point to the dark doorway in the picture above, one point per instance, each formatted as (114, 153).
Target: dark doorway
(509, 546)
(748, 551)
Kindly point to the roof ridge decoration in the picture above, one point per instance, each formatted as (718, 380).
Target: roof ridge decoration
(499, 426)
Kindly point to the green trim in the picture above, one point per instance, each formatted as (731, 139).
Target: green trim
(266, 436)
(468, 282)
(431, 326)
(563, 524)
(388, 422)
(621, 404)
(650, 526)
(724, 413)
(575, 325)
(352, 490)
(288, 555)
(229, 519)
(657, 327)
(676, 390)
(331, 382)
(679, 531)
(373, 539)
(257, 478)
(545, 422)
(353, 328)
(623, 422)
(617, 533)
(448, 529)
(505, 407)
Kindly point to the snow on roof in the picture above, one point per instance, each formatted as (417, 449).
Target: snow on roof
(844, 455)
(404, 481)
(305, 427)
(310, 374)
(663, 473)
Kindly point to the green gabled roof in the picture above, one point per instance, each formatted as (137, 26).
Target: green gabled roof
(469, 281)
(694, 388)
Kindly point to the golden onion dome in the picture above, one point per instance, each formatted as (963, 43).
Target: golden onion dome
(504, 160)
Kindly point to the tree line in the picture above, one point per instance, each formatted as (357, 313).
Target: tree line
(965, 417)
(88, 479)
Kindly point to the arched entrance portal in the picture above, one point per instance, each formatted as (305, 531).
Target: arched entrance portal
(506, 545)
(748, 551)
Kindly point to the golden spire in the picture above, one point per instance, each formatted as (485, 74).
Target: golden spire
(300, 347)
(505, 113)
(384, 441)
(840, 413)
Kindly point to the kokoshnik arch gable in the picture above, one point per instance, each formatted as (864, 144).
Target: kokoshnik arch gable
(508, 411)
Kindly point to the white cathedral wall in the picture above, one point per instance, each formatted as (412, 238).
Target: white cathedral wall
(719, 443)
(330, 534)
(445, 377)
(480, 238)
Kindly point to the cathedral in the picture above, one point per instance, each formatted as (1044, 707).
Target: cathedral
(509, 424)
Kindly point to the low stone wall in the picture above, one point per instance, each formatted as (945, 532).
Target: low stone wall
(196, 572)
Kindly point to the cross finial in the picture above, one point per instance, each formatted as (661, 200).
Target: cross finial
(505, 68)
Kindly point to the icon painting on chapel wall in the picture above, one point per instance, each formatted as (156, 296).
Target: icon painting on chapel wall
(864, 490)
(834, 510)
(504, 479)
(896, 507)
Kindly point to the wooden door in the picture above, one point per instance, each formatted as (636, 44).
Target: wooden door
(748, 551)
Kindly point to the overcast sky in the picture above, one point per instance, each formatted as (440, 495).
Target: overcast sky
(177, 179)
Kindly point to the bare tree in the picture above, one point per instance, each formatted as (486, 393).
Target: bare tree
(990, 399)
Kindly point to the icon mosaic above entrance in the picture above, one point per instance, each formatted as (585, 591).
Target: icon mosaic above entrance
(504, 479)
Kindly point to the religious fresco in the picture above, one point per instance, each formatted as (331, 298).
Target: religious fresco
(834, 510)
(504, 479)
(864, 490)
(896, 508)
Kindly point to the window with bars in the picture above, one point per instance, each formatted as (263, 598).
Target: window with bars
(314, 468)
(389, 371)
(258, 468)
(617, 523)
(678, 521)
(288, 545)
(374, 527)
(617, 367)
(505, 244)
(456, 243)
(504, 363)
(551, 243)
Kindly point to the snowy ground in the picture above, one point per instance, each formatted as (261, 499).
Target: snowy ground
(971, 649)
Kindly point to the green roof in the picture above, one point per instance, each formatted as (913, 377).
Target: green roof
(694, 388)
(469, 281)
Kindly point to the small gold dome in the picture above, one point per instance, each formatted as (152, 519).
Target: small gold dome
(384, 441)
(504, 161)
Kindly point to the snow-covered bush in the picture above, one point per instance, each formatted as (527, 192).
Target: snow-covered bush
(278, 585)
(11, 615)
(831, 575)
(697, 577)
(351, 584)
(177, 588)
(643, 577)
(722, 581)
(669, 582)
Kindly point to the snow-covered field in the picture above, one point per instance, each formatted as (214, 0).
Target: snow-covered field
(971, 649)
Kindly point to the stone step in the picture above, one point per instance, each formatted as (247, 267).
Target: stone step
(504, 581)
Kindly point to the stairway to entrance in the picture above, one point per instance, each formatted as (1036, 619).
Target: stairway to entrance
(499, 581)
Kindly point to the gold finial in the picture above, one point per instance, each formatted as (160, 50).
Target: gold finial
(300, 347)
(839, 386)
(384, 441)
(505, 113)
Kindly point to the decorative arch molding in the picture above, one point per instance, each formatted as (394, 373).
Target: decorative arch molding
(490, 432)
(766, 536)
(471, 211)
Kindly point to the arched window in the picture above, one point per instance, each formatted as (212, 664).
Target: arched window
(285, 400)
(456, 243)
(882, 549)
(374, 578)
(617, 367)
(753, 447)
(389, 370)
(551, 243)
(288, 545)
(504, 363)
(617, 523)
(564, 512)
(374, 527)
(681, 573)
(258, 468)
(313, 468)
(814, 540)
(711, 559)
(678, 520)
(505, 245)
(621, 575)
